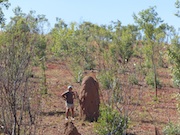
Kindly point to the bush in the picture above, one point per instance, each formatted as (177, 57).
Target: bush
(171, 129)
(106, 79)
(89, 63)
(110, 121)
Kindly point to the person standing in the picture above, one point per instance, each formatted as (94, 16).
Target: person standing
(69, 97)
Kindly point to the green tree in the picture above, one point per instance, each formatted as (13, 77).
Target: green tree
(124, 39)
(174, 52)
(77, 44)
(153, 29)
(61, 38)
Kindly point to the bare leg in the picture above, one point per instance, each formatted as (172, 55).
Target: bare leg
(72, 111)
(67, 112)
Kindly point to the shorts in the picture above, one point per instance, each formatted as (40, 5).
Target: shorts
(69, 106)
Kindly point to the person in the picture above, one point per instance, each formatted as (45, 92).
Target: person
(69, 97)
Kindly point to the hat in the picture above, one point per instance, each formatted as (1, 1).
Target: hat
(69, 87)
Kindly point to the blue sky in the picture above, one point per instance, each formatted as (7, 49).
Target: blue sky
(95, 11)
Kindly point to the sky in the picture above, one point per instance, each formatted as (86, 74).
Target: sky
(100, 12)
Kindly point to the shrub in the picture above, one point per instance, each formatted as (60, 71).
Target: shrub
(106, 79)
(89, 62)
(110, 122)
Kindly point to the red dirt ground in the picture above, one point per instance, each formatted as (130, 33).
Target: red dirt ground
(145, 116)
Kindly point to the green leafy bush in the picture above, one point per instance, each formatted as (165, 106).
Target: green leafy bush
(89, 62)
(110, 121)
(106, 79)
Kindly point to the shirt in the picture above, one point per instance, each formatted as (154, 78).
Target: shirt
(69, 97)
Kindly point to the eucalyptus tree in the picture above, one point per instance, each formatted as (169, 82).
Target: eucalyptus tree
(20, 46)
(154, 33)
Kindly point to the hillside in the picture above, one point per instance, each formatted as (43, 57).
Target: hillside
(145, 115)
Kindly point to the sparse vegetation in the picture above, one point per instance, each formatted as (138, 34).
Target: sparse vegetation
(127, 60)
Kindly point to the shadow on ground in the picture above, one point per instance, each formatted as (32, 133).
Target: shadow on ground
(52, 113)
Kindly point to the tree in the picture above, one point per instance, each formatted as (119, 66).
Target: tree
(19, 98)
(124, 39)
(174, 53)
(153, 30)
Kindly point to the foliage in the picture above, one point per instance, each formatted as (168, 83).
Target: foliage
(62, 37)
(174, 57)
(75, 46)
(174, 54)
(3, 3)
(106, 79)
(85, 46)
(20, 99)
(110, 122)
(15, 58)
(123, 39)
(77, 72)
(40, 59)
(177, 5)
(171, 129)
(150, 80)
(154, 31)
